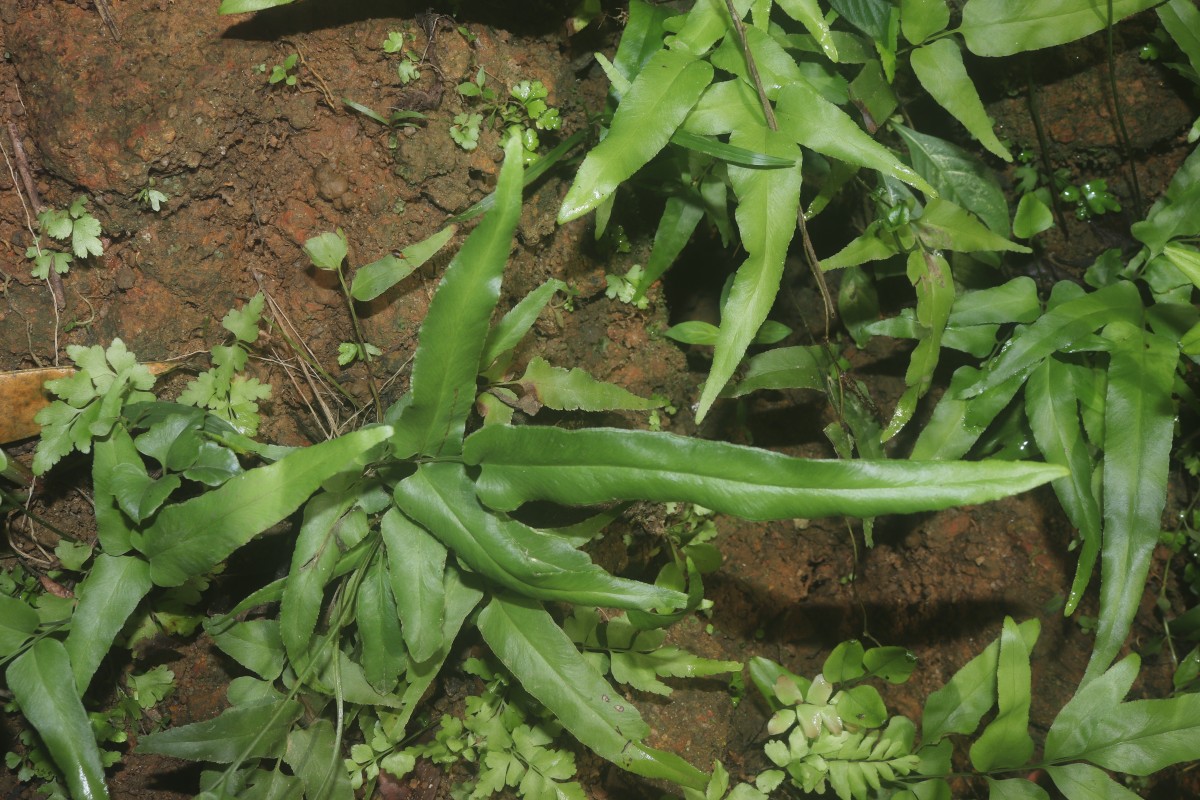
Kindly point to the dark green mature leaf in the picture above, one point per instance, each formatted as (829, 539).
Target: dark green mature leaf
(384, 655)
(442, 499)
(314, 755)
(535, 650)
(417, 567)
(1057, 329)
(958, 175)
(107, 596)
(253, 731)
(1005, 27)
(662, 94)
(600, 465)
(768, 201)
(43, 685)
(642, 36)
(253, 643)
(814, 122)
(957, 424)
(314, 558)
(190, 538)
(1005, 743)
(455, 329)
(784, 368)
(939, 68)
(945, 226)
(731, 154)
(1053, 414)
(1085, 782)
(959, 706)
(1181, 19)
(920, 19)
(1139, 419)
(679, 219)
(1015, 789)
(1138, 738)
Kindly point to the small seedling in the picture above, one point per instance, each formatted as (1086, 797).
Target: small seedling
(349, 352)
(150, 197)
(75, 223)
(285, 72)
(465, 130)
(624, 288)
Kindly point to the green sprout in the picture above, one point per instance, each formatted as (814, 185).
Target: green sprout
(285, 72)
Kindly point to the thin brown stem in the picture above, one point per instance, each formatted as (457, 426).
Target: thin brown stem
(740, 29)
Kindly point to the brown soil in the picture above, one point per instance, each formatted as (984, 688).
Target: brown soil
(253, 170)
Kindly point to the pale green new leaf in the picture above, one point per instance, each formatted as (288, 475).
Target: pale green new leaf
(512, 327)
(1086, 782)
(576, 390)
(811, 120)
(1032, 217)
(1005, 743)
(724, 107)
(107, 596)
(18, 622)
(535, 650)
(190, 538)
(600, 465)
(1077, 722)
(920, 19)
(959, 706)
(939, 68)
(417, 567)
(945, 226)
(958, 175)
(1005, 27)
(455, 329)
(244, 6)
(441, 498)
(327, 250)
(42, 683)
(1058, 328)
(377, 277)
(663, 93)
(768, 201)
(1139, 420)
(808, 14)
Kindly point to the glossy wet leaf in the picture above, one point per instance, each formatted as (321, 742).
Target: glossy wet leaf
(809, 14)
(768, 201)
(1005, 27)
(455, 329)
(663, 92)
(939, 68)
(1139, 420)
(1005, 743)
(43, 684)
(416, 567)
(189, 538)
(1053, 414)
(534, 648)
(600, 465)
(958, 175)
(1058, 328)
(441, 498)
(107, 597)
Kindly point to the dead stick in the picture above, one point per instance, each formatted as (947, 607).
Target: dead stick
(56, 284)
